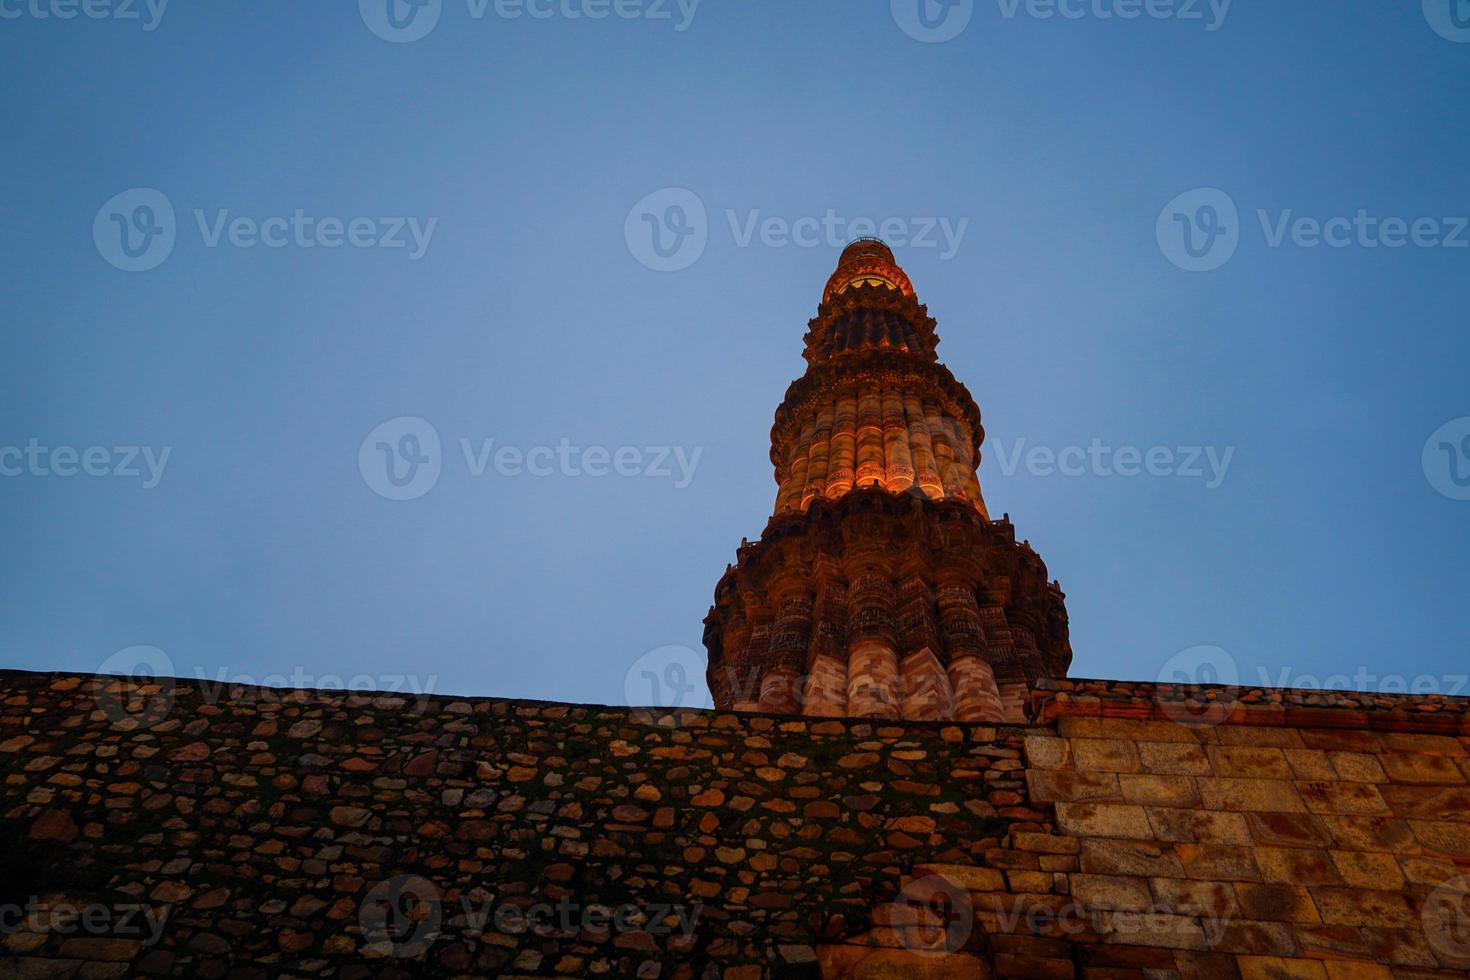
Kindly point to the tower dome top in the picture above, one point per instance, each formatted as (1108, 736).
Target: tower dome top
(867, 262)
(865, 246)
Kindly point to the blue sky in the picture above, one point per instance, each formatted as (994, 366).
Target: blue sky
(1059, 152)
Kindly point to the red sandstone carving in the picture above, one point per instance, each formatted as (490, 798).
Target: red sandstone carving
(881, 587)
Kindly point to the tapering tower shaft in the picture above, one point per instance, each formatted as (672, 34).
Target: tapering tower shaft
(881, 587)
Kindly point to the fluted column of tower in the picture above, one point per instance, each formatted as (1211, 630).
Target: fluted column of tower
(881, 587)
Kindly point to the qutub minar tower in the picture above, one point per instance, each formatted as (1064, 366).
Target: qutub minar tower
(881, 587)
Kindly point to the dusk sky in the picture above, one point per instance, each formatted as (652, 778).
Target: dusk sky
(250, 249)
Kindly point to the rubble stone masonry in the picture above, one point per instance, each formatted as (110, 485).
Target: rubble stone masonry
(1127, 831)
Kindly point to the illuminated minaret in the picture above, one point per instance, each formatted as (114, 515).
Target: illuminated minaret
(881, 587)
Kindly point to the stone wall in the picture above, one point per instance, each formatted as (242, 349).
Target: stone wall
(266, 824)
(1130, 831)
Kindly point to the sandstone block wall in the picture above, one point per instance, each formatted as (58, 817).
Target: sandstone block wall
(1129, 831)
